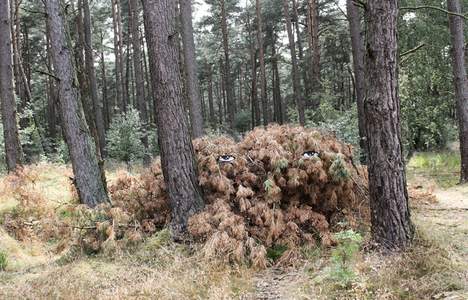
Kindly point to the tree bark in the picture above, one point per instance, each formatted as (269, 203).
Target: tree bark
(92, 82)
(278, 105)
(227, 67)
(390, 214)
(105, 99)
(139, 79)
(210, 96)
(294, 72)
(261, 58)
(460, 82)
(300, 52)
(13, 153)
(89, 178)
(193, 89)
(314, 49)
(358, 65)
(177, 155)
(117, 54)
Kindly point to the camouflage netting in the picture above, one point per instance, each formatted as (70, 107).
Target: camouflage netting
(282, 185)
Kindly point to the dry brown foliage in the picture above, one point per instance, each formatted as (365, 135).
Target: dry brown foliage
(286, 186)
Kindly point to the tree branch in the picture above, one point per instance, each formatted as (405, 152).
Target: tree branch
(47, 73)
(434, 8)
(412, 50)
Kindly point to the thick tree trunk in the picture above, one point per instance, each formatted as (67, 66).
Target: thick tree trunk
(358, 65)
(89, 179)
(460, 81)
(193, 89)
(139, 79)
(227, 67)
(390, 215)
(314, 48)
(7, 98)
(294, 71)
(177, 155)
(92, 82)
(261, 58)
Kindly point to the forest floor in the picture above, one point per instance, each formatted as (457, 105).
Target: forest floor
(435, 267)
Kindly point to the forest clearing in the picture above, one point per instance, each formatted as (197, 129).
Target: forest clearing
(233, 149)
(434, 267)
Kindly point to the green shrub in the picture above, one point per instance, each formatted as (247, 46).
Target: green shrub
(342, 257)
(124, 137)
(3, 260)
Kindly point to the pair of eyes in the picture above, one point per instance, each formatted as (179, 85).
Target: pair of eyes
(226, 158)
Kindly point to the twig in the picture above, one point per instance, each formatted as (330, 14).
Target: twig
(434, 8)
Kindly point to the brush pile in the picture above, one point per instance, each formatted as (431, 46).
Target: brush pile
(280, 186)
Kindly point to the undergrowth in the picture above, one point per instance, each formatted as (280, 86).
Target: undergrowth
(443, 167)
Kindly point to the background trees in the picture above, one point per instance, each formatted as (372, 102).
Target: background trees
(7, 97)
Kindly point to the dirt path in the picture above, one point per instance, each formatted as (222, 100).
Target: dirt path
(449, 214)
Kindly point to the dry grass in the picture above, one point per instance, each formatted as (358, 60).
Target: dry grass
(155, 268)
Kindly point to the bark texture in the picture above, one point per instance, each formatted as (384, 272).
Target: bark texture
(358, 66)
(177, 155)
(139, 75)
(13, 151)
(89, 179)
(390, 214)
(92, 82)
(261, 58)
(227, 67)
(314, 48)
(460, 82)
(294, 71)
(192, 86)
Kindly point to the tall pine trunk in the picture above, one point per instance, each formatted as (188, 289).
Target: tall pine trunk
(228, 82)
(190, 63)
(358, 66)
(89, 178)
(294, 71)
(92, 82)
(261, 58)
(460, 82)
(139, 76)
(177, 155)
(13, 151)
(390, 215)
(118, 57)
(314, 49)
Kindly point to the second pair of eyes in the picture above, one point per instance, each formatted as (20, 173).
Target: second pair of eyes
(226, 158)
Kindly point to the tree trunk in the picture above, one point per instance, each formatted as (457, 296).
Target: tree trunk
(210, 96)
(358, 65)
(118, 57)
(300, 52)
(177, 155)
(460, 82)
(52, 96)
(314, 49)
(139, 79)
(261, 58)
(105, 99)
(13, 151)
(278, 106)
(294, 72)
(193, 89)
(227, 66)
(390, 215)
(92, 82)
(89, 178)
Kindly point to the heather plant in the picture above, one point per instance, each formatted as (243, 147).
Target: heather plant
(3, 260)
